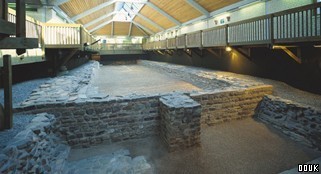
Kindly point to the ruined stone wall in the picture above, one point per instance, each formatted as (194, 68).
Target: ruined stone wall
(88, 123)
(229, 105)
(180, 122)
(35, 150)
(299, 122)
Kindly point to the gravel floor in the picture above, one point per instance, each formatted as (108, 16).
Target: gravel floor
(21, 91)
(240, 146)
(20, 121)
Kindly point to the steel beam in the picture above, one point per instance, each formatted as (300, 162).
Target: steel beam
(198, 7)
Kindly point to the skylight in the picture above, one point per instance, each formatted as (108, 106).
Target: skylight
(127, 10)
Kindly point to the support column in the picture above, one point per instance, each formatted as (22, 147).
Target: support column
(7, 83)
(4, 14)
(21, 22)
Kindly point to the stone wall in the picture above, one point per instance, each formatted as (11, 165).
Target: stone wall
(88, 123)
(111, 120)
(35, 150)
(221, 106)
(302, 123)
(180, 122)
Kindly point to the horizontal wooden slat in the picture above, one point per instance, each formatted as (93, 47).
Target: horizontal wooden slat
(106, 30)
(75, 7)
(99, 23)
(121, 28)
(212, 5)
(146, 24)
(97, 14)
(7, 27)
(18, 43)
(136, 31)
(157, 17)
(179, 9)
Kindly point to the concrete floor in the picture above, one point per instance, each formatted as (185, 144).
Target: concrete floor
(128, 79)
(240, 146)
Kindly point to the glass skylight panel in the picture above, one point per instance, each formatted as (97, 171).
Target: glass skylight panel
(128, 8)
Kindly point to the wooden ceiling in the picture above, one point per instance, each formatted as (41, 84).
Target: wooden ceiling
(155, 16)
(120, 29)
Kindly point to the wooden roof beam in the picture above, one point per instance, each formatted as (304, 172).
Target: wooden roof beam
(163, 13)
(58, 2)
(100, 26)
(99, 19)
(198, 7)
(101, 6)
(93, 10)
(112, 28)
(130, 29)
(144, 28)
(150, 21)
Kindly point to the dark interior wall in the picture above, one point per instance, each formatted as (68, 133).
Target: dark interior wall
(263, 62)
(26, 72)
(44, 69)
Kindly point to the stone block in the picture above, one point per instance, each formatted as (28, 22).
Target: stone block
(180, 121)
(296, 120)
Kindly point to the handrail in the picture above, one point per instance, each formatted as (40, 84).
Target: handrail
(301, 24)
(56, 35)
(297, 9)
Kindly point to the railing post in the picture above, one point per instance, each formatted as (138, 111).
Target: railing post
(7, 81)
(43, 42)
(271, 30)
(226, 35)
(81, 37)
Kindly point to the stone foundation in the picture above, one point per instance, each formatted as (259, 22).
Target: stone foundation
(221, 106)
(89, 123)
(35, 150)
(299, 122)
(86, 117)
(180, 121)
(111, 120)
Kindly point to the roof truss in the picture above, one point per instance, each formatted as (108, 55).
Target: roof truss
(198, 7)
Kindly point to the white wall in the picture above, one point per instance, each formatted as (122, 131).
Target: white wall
(46, 15)
(246, 12)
